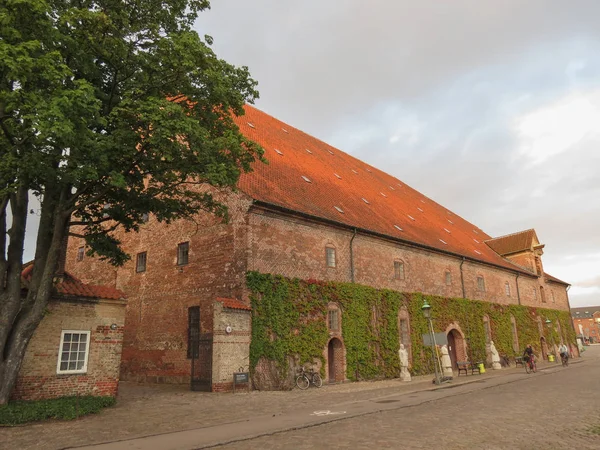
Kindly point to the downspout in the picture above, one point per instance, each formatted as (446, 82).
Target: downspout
(468, 337)
(518, 293)
(571, 318)
(462, 280)
(352, 257)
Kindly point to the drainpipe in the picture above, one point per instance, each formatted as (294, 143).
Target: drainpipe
(518, 293)
(571, 318)
(462, 280)
(352, 257)
(468, 337)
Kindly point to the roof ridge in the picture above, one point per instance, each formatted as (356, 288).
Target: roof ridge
(510, 234)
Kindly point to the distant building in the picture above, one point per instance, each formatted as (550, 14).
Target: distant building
(76, 349)
(314, 212)
(586, 322)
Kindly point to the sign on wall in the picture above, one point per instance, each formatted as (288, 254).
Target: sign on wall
(440, 339)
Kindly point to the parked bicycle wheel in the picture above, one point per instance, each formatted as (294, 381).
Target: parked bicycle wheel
(534, 366)
(302, 382)
(316, 380)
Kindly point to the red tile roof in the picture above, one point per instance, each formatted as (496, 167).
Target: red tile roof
(71, 286)
(513, 243)
(554, 279)
(309, 176)
(232, 303)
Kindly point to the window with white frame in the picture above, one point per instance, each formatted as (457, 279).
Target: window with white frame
(80, 253)
(448, 278)
(507, 289)
(74, 352)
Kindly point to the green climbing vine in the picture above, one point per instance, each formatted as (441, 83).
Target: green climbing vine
(289, 318)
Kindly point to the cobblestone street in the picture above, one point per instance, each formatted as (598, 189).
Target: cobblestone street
(555, 408)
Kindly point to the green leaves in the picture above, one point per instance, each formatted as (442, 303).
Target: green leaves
(289, 319)
(121, 104)
(64, 408)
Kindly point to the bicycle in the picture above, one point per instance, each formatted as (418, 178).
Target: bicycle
(305, 379)
(530, 365)
(564, 358)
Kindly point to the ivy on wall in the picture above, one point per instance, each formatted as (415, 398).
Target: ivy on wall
(289, 318)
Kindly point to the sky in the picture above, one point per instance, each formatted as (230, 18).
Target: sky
(490, 108)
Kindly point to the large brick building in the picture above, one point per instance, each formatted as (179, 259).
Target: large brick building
(313, 212)
(586, 321)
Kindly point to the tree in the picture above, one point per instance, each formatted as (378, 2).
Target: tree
(109, 110)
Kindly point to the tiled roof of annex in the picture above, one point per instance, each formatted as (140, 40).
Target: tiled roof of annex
(233, 303)
(306, 175)
(513, 243)
(71, 286)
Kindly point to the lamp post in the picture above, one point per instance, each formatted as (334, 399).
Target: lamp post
(426, 308)
(548, 323)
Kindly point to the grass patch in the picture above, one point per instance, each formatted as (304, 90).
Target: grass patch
(64, 408)
(595, 429)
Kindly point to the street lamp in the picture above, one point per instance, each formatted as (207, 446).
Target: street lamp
(426, 308)
(548, 323)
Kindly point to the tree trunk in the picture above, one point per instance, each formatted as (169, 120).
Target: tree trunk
(22, 313)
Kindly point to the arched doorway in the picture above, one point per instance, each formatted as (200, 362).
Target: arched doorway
(544, 348)
(335, 360)
(456, 347)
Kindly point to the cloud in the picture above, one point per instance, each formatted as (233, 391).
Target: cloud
(556, 128)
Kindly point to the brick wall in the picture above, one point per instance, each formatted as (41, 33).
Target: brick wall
(295, 247)
(231, 350)
(155, 341)
(38, 376)
(590, 327)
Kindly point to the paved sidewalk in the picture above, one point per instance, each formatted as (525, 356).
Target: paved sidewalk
(160, 410)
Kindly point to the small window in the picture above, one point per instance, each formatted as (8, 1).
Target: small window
(193, 331)
(404, 333)
(507, 289)
(543, 294)
(80, 253)
(552, 296)
(534, 293)
(448, 278)
(333, 320)
(330, 256)
(481, 284)
(145, 217)
(140, 264)
(399, 270)
(74, 350)
(183, 251)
